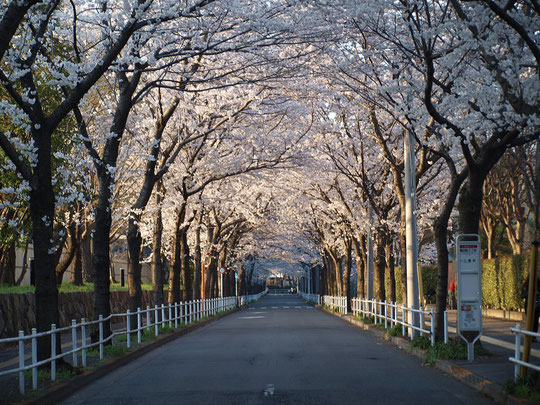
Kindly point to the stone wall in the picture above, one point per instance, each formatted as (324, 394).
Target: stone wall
(17, 311)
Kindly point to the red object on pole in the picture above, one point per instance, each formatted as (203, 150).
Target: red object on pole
(202, 279)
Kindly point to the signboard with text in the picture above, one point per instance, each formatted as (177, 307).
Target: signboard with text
(469, 283)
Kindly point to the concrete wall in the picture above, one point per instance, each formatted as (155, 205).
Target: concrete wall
(17, 311)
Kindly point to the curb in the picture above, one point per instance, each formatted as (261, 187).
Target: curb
(61, 391)
(485, 387)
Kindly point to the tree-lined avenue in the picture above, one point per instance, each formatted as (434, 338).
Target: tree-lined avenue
(278, 351)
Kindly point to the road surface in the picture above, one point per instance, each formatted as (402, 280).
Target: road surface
(278, 351)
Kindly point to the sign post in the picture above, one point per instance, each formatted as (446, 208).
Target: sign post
(236, 286)
(469, 290)
(221, 272)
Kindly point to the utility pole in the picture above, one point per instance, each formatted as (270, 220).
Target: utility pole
(411, 233)
(369, 275)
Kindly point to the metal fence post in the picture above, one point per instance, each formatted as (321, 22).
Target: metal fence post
(421, 321)
(128, 319)
(53, 352)
(34, 359)
(148, 318)
(156, 318)
(432, 329)
(385, 315)
(162, 323)
(445, 327)
(101, 337)
(139, 325)
(83, 341)
(176, 315)
(21, 362)
(170, 315)
(74, 341)
(402, 320)
(517, 352)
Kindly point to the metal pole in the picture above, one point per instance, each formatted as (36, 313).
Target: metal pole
(531, 302)
(21, 362)
(517, 348)
(411, 233)
(221, 284)
(445, 327)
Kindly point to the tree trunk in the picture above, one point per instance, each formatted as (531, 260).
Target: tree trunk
(389, 253)
(71, 249)
(489, 227)
(337, 263)
(42, 213)
(157, 262)
(24, 263)
(360, 269)
(175, 265)
(440, 230)
(187, 293)
(76, 274)
(86, 255)
(134, 241)
(100, 257)
(197, 262)
(103, 214)
(379, 287)
(347, 274)
(7, 264)
(471, 193)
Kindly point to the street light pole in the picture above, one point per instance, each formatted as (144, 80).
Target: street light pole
(411, 232)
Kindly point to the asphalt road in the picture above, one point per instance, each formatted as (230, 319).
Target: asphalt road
(278, 351)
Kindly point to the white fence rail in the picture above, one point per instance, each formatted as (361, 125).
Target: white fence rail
(517, 351)
(136, 322)
(391, 313)
(315, 298)
(339, 303)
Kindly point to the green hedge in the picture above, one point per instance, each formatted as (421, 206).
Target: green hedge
(502, 279)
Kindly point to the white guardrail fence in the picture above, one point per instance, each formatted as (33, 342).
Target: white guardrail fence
(167, 315)
(517, 351)
(315, 298)
(394, 314)
(389, 313)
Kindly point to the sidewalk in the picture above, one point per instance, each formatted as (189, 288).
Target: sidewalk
(500, 341)
(487, 375)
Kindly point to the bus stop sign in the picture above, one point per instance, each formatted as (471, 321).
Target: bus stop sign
(469, 289)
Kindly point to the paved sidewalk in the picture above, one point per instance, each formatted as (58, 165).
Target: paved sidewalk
(500, 341)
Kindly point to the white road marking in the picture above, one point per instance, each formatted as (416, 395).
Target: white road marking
(251, 317)
(269, 390)
(275, 307)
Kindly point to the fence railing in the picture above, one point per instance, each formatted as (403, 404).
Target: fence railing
(339, 303)
(315, 298)
(136, 323)
(517, 351)
(389, 313)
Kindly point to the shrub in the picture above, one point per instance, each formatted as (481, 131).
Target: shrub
(396, 330)
(527, 387)
(502, 279)
(429, 282)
